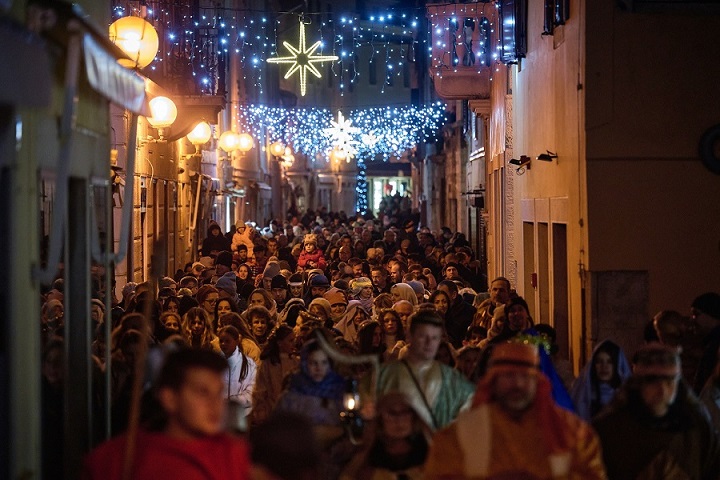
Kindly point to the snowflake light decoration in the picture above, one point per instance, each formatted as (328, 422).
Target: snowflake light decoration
(342, 136)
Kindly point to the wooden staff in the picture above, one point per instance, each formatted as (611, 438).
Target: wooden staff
(157, 268)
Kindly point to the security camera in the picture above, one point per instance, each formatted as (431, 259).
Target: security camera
(524, 161)
(547, 157)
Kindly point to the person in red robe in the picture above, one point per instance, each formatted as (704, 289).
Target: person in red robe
(191, 443)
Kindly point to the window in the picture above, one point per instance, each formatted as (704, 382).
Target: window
(513, 14)
(556, 13)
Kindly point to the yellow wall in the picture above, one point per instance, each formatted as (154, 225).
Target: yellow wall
(652, 91)
(547, 111)
(623, 99)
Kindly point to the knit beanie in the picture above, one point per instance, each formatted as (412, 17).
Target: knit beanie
(324, 304)
(228, 284)
(319, 281)
(295, 280)
(224, 258)
(708, 303)
(656, 360)
(271, 270)
(278, 281)
(310, 238)
(418, 287)
(357, 284)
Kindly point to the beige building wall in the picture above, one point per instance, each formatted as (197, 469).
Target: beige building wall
(537, 238)
(626, 221)
(653, 209)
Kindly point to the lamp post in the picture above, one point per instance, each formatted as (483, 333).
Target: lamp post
(338, 157)
(277, 150)
(229, 142)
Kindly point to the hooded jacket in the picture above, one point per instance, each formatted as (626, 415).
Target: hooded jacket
(214, 243)
(243, 239)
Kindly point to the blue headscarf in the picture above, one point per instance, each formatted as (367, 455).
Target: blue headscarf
(559, 392)
(585, 391)
(331, 387)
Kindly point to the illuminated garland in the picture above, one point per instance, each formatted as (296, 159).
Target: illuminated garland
(383, 132)
(193, 40)
(361, 188)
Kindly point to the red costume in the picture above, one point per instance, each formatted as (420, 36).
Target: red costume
(316, 256)
(159, 456)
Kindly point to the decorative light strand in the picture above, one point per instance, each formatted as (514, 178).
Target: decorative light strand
(381, 132)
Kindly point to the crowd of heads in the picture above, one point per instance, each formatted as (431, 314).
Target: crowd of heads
(397, 292)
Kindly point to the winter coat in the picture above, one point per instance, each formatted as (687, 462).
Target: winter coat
(213, 243)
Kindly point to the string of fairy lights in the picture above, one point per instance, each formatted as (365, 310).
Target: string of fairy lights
(197, 41)
(195, 37)
(192, 39)
(373, 133)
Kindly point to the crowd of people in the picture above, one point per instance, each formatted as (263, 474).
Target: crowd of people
(274, 325)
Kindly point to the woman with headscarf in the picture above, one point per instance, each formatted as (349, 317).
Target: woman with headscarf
(354, 316)
(316, 391)
(361, 289)
(321, 308)
(403, 291)
(603, 375)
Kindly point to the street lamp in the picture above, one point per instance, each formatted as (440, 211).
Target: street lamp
(339, 154)
(164, 113)
(137, 38)
(277, 149)
(200, 135)
(230, 141)
(245, 143)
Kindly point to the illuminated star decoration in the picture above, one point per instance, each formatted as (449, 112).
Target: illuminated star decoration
(302, 59)
(341, 135)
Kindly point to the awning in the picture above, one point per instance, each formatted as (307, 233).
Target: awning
(118, 84)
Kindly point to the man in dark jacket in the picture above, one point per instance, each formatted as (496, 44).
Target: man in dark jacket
(215, 241)
(656, 428)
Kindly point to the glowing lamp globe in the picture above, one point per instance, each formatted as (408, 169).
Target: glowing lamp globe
(200, 134)
(164, 112)
(245, 142)
(339, 154)
(277, 149)
(229, 141)
(137, 38)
